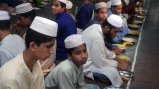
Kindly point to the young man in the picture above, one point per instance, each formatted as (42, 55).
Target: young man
(66, 27)
(10, 45)
(116, 8)
(24, 71)
(101, 60)
(85, 14)
(69, 73)
(25, 15)
(100, 14)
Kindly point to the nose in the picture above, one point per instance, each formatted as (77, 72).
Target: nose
(53, 7)
(83, 55)
(17, 21)
(51, 50)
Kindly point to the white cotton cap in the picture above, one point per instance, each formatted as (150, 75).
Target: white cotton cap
(44, 26)
(116, 2)
(115, 20)
(73, 41)
(23, 8)
(109, 4)
(4, 15)
(69, 4)
(100, 5)
(63, 1)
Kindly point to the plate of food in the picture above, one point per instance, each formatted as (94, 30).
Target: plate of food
(137, 22)
(140, 16)
(133, 25)
(123, 58)
(128, 39)
(132, 32)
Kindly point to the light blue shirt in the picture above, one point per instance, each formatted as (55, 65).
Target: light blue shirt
(10, 47)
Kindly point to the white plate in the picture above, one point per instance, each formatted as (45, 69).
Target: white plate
(128, 39)
(138, 21)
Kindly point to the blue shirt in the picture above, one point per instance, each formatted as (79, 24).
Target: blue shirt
(84, 15)
(124, 30)
(66, 27)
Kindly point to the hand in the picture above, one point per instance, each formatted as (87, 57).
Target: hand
(123, 65)
(118, 51)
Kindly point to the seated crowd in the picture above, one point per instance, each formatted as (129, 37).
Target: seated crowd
(39, 53)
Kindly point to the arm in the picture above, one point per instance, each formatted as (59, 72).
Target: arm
(61, 80)
(100, 55)
(3, 57)
(9, 84)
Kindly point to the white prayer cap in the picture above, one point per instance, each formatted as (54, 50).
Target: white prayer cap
(69, 4)
(100, 5)
(23, 8)
(63, 1)
(109, 4)
(116, 2)
(44, 26)
(115, 20)
(73, 41)
(4, 15)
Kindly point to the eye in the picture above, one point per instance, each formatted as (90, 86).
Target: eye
(49, 46)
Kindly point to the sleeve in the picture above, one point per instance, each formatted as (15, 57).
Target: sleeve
(82, 84)
(63, 80)
(66, 29)
(10, 84)
(3, 57)
(100, 55)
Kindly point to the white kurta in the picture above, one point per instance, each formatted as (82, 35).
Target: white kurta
(100, 58)
(49, 64)
(16, 75)
(10, 47)
(66, 76)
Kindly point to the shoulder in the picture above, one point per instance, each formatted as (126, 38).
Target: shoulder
(93, 29)
(11, 68)
(64, 67)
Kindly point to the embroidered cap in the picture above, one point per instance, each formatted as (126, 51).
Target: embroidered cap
(23, 8)
(116, 2)
(73, 41)
(4, 15)
(100, 5)
(63, 1)
(115, 20)
(44, 26)
(69, 4)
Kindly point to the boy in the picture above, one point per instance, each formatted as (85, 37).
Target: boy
(69, 73)
(24, 71)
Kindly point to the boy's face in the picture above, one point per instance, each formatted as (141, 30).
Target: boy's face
(117, 9)
(79, 55)
(114, 32)
(44, 50)
(56, 7)
(102, 14)
(23, 21)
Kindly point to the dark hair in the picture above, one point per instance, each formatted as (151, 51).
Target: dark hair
(38, 38)
(97, 10)
(63, 5)
(113, 6)
(5, 24)
(69, 51)
(31, 14)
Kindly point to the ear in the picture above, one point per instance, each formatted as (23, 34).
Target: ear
(33, 46)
